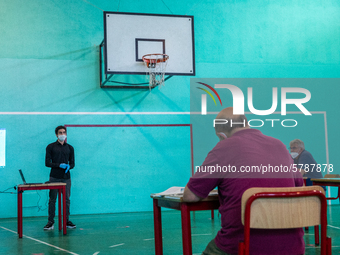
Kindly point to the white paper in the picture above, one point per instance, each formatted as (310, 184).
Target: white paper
(171, 191)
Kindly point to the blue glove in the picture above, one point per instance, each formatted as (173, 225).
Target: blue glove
(63, 165)
(67, 168)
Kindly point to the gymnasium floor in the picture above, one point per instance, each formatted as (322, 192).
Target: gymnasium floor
(127, 233)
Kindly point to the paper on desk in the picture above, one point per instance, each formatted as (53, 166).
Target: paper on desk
(171, 191)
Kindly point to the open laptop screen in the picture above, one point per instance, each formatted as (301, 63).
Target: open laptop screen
(22, 176)
(23, 179)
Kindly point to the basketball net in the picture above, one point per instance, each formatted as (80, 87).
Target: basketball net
(156, 66)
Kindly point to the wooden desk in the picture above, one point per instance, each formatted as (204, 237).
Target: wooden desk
(61, 187)
(335, 182)
(176, 202)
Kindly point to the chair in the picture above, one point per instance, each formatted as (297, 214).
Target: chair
(271, 208)
(333, 176)
(316, 228)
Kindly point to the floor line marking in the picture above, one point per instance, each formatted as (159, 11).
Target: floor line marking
(201, 234)
(333, 226)
(318, 247)
(9, 230)
(40, 241)
(117, 245)
(96, 253)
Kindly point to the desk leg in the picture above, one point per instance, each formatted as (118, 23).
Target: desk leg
(186, 229)
(212, 214)
(157, 220)
(316, 234)
(64, 209)
(59, 208)
(20, 212)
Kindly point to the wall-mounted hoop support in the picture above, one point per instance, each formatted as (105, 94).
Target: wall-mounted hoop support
(106, 81)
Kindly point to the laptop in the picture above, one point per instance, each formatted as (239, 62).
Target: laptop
(23, 179)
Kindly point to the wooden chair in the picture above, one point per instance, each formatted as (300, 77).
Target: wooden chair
(333, 176)
(316, 228)
(271, 208)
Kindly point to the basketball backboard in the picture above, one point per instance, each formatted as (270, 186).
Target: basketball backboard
(130, 36)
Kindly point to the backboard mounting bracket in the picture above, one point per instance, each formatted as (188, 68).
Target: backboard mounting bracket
(106, 81)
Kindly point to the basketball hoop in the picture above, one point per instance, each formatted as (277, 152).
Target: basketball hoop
(156, 64)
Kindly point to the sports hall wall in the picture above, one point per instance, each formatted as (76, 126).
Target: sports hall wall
(49, 75)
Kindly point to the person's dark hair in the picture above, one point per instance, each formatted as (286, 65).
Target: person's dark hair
(58, 128)
(239, 121)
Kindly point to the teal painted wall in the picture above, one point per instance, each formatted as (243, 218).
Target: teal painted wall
(49, 63)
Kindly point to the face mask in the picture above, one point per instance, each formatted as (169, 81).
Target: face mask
(62, 137)
(222, 134)
(294, 154)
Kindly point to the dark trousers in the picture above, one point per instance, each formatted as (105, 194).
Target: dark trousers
(53, 198)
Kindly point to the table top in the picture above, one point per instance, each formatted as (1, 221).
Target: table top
(334, 180)
(42, 184)
(213, 196)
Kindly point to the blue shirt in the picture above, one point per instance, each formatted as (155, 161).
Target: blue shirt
(306, 162)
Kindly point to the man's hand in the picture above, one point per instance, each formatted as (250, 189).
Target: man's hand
(65, 166)
(189, 196)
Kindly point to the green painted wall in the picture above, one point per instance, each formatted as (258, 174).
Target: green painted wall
(49, 63)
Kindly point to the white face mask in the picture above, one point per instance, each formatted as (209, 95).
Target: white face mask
(62, 137)
(294, 154)
(223, 135)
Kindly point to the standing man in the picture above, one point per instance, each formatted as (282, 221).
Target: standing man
(60, 157)
(304, 161)
(242, 149)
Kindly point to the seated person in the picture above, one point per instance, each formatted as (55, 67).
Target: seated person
(304, 161)
(241, 147)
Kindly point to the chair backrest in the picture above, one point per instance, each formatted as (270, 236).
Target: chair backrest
(331, 176)
(286, 212)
